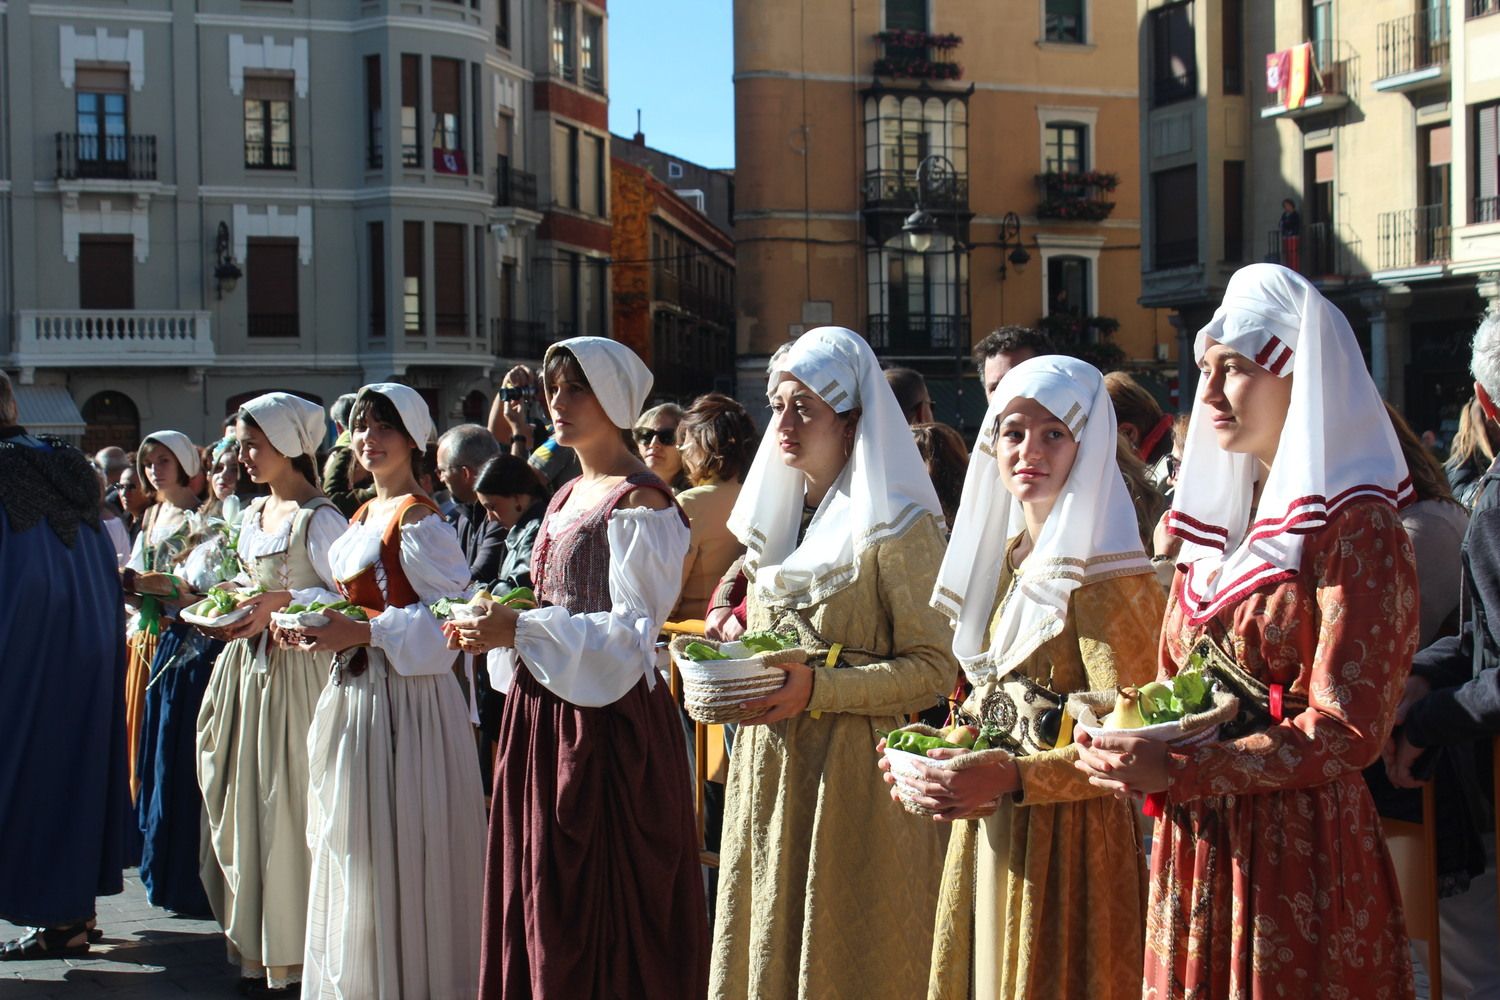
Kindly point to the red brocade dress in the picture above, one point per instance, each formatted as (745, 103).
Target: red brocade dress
(1269, 873)
(593, 887)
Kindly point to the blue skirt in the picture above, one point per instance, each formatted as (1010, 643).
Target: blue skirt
(170, 808)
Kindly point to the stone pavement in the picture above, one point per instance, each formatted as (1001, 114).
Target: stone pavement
(146, 954)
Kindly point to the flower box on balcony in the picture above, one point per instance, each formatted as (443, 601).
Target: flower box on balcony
(918, 69)
(1076, 196)
(917, 40)
(918, 55)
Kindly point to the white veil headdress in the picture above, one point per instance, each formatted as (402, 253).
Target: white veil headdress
(1090, 535)
(883, 490)
(1337, 445)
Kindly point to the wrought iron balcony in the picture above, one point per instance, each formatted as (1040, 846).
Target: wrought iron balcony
(897, 190)
(1415, 237)
(518, 338)
(919, 336)
(1322, 250)
(1486, 209)
(514, 188)
(1077, 196)
(90, 156)
(918, 55)
(1332, 80)
(1479, 8)
(1412, 51)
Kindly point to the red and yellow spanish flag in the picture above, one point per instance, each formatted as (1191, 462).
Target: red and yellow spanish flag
(1301, 71)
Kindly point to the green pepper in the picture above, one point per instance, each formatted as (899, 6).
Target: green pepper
(295, 609)
(912, 741)
(698, 651)
(521, 597)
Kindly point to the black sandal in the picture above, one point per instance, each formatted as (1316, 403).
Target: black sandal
(47, 943)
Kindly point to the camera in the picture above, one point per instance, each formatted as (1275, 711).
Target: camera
(509, 393)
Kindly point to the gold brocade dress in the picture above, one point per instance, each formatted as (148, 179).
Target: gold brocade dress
(1046, 898)
(826, 886)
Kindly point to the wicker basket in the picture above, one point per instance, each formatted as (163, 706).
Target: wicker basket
(904, 768)
(714, 690)
(1091, 708)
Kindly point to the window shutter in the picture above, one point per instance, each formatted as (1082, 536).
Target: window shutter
(93, 79)
(271, 287)
(268, 88)
(448, 274)
(1487, 164)
(106, 273)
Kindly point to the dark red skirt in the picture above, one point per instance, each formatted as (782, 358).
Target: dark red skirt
(593, 887)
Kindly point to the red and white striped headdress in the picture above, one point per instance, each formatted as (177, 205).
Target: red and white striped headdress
(1337, 445)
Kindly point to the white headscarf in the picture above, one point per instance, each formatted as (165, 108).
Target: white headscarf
(883, 490)
(181, 447)
(618, 377)
(1337, 445)
(1090, 534)
(410, 407)
(293, 425)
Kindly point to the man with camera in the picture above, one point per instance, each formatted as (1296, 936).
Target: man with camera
(511, 425)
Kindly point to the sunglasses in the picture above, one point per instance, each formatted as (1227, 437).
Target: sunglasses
(666, 435)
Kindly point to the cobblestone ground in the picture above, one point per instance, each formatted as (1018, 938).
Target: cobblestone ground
(146, 954)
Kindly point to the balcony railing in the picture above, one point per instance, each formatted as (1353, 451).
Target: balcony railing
(518, 338)
(919, 336)
(90, 156)
(1479, 8)
(78, 337)
(897, 189)
(1078, 196)
(270, 156)
(1321, 250)
(1414, 237)
(272, 325)
(918, 55)
(1486, 209)
(1332, 79)
(700, 303)
(513, 188)
(1412, 44)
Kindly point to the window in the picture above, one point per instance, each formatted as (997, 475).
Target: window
(565, 293)
(102, 126)
(596, 302)
(1434, 167)
(1320, 31)
(917, 301)
(1068, 287)
(564, 16)
(1174, 62)
(106, 272)
(411, 113)
(447, 117)
(377, 278)
(1064, 21)
(271, 287)
(590, 180)
(1232, 41)
(900, 131)
(1486, 163)
(502, 23)
(449, 279)
(593, 52)
(268, 123)
(1234, 211)
(674, 170)
(565, 166)
(910, 15)
(1067, 147)
(1174, 207)
(412, 306)
(374, 115)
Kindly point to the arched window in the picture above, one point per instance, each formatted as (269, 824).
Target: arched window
(110, 418)
(902, 130)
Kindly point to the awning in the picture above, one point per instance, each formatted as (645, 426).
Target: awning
(48, 409)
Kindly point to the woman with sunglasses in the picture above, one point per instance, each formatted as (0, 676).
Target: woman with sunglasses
(1297, 589)
(657, 443)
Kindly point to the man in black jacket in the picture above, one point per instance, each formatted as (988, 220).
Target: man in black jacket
(1452, 705)
(461, 453)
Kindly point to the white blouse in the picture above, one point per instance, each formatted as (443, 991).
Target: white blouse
(325, 528)
(410, 637)
(170, 520)
(594, 659)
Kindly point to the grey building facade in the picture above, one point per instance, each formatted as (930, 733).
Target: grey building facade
(204, 201)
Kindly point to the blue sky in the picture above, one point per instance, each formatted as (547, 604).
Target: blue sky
(674, 60)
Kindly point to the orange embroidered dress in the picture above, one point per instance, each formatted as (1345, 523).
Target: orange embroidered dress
(1269, 873)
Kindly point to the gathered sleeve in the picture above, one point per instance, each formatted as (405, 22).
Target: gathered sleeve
(594, 659)
(325, 528)
(1363, 584)
(411, 637)
(1117, 623)
(921, 670)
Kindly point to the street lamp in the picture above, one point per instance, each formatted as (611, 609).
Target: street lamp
(226, 272)
(1010, 230)
(936, 174)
